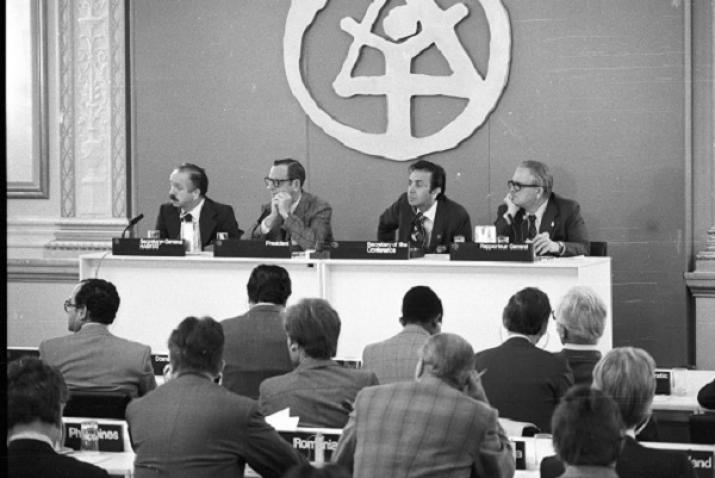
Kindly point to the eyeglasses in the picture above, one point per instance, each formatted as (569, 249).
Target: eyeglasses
(69, 304)
(517, 186)
(274, 183)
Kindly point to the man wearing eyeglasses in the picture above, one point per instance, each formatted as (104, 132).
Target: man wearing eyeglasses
(191, 215)
(293, 215)
(92, 358)
(533, 213)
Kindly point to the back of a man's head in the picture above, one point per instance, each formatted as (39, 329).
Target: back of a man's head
(197, 345)
(527, 312)
(269, 283)
(101, 299)
(35, 392)
(421, 306)
(448, 357)
(587, 428)
(313, 325)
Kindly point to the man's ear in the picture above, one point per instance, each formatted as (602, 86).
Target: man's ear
(435, 192)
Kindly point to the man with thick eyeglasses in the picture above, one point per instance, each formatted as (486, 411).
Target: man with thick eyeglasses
(191, 215)
(293, 215)
(532, 212)
(92, 358)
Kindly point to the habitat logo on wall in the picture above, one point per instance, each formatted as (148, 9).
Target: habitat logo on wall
(406, 31)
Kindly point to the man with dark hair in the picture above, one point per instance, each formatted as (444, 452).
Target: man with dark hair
(588, 433)
(319, 390)
(523, 381)
(293, 214)
(394, 359)
(438, 425)
(92, 358)
(424, 216)
(36, 394)
(533, 213)
(255, 341)
(191, 215)
(191, 426)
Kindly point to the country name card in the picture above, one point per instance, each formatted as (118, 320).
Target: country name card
(111, 436)
(662, 382)
(316, 445)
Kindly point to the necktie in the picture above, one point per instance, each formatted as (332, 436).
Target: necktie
(419, 235)
(532, 226)
(187, 217)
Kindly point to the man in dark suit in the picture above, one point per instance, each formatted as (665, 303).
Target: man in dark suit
(523, 381)
(293, 214)
(532, 212)
(36, 394)
(256, 341)
(191, 215)
(424, 216)
(580, 320)
(394, 359)
(706, 396)
(319, 391)
(438, 425)
(92, 358)
(191, 427)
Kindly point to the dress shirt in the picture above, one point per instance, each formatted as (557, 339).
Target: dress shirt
(190, 230)
(30, 435)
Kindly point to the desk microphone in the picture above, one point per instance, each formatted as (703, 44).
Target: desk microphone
(132, 223)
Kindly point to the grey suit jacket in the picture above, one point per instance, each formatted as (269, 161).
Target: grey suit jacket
(395, 359)
(307, 226)
(192, 428)
(320, 392)
(94, 359)
(255, 348)
(425, 429)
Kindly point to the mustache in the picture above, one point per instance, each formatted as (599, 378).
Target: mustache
(173, 197)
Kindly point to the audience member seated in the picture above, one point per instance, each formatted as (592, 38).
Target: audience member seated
(438, 425)
(588, 433)
(36, 393)
(255, 341)
(523, 381)
(394, 359)
(706, 396)
(319, 390)
(191, 427)
(92, 358)
(627, 375)
(309, 471)
(580, 319)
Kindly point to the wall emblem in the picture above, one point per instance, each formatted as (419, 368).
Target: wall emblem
(411, 28)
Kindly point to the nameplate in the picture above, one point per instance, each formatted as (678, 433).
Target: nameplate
(519, 452)
(315, 446)
(158, 362)
(111, 436)
(147, 247)
(370, 250)
(472, 251)
(702, 461)
(662, 382)
(239, 248)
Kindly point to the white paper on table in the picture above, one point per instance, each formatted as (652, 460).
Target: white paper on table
(281, 420)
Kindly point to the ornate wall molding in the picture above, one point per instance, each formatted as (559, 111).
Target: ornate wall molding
(42, 270)
(92, 108)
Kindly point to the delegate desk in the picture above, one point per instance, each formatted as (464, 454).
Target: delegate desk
(158, 292)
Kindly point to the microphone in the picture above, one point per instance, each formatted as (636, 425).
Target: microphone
(132, 222)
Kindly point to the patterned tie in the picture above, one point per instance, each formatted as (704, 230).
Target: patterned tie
(418, 237)
(532, 226)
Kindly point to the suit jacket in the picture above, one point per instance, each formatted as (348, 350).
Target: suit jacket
(423, 429)
(95, 360)
(215, 217)
(524, 382)
(582, 363)
(255, 349)
(450, 220)
(562, 220)
(308, 226)
(636, 461)
(36, 459)
(395, 359)
(320, 392)
(706, 396)
(192, 428)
